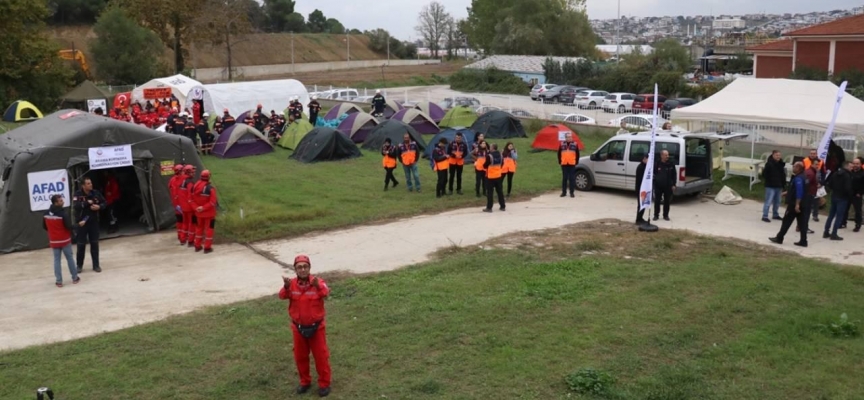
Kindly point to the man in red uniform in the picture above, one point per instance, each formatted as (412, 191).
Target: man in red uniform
(112, 195)
(204, 201)
(184, 198)
(306, 294)
(173, 186)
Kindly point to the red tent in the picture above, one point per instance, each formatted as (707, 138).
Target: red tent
(550, 137)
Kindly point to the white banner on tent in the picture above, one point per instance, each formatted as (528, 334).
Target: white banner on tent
(110, 157)
(829, 133)
(45, 184)
(93, 104)
(646, 191)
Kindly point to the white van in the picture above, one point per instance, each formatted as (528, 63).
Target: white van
(614, 164)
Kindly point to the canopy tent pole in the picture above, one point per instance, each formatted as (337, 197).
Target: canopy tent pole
(752, 154)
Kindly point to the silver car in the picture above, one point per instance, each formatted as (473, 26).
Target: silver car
(540, 88)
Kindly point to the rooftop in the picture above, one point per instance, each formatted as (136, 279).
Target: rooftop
(778, 45)
(853, 25)
(530, 64)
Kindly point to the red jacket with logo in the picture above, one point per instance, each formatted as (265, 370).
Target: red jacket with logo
(306, 302)
(204, 195)
(174, 186)
(58, 225)
(112, 190)
(184, 194)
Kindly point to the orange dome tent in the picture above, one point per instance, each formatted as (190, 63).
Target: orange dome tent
(550, 137)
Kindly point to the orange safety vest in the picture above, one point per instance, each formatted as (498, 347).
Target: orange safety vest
(458, 155)
(389, 162)
(808, 163)
(495, 170)
(409, 156)
(568, 154)
(509, 165)
(442, 165)
(480, 161)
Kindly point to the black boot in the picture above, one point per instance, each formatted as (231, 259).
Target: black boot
(303, 389)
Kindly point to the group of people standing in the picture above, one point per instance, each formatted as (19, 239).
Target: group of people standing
(195, 205)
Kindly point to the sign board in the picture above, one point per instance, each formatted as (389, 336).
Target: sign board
(93, 104)
(45, 184)
(167, 168)
(562, 135)
(110, 157)
(157, 93)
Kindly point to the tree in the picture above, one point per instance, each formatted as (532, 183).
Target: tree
(335, 27)
(295, 23)
(70, 12)
(29, 66)
(672, 55)
(378, 39)
(317, 22)
(224, 23)
(432, 25)
(278, 12)
(355, 32)
(173, 21)
(125, 51)
(258, 19)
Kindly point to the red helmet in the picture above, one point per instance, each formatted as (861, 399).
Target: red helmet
(178, 168)
(189, 169)
(302, 258)
(205, 175)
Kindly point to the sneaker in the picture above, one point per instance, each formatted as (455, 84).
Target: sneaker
(324, 392)
(778, 218)
(563, 194)
(303, 389)
(58, 284)
(800, 244)
(765, 219)
(208, 251)
(97, 269)
(836, 238)
(502, 208)
(572, 195)
(656, 218)
(857, 229)
(666, 218)
(487, 210)
(776, 240)
(816, 219)
(76, 280)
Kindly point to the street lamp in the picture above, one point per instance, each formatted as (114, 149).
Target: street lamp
(348, 42)
(618, 35)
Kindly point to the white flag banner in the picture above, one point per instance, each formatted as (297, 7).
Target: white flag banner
(829, 134)
(110, 157)
(646, 191)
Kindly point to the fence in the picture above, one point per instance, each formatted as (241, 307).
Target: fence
(111, 89)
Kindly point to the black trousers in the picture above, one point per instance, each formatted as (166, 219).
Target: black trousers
(441, 188)
(313, 118)
(510, 181)
(480, 182)
(856, 205)
(88, 233)
(664, 194)
(498, 186)
(568, 175)
(640, 212)
(388, 177)
(456, 174)
(791, 216)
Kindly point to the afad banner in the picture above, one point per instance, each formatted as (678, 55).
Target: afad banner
(45, 184)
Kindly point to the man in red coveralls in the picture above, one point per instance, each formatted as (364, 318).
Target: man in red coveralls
(204, 201)
(306, 294)
(184, 198)
(173, 186)
(112, 195)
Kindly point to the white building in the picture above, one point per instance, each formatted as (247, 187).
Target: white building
(729, 24)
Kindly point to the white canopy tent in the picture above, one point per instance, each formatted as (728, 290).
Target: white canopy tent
(180, 86)
(239, 97)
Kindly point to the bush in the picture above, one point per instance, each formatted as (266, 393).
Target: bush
(843, 328)
(589, 381)
(490, 80)
(125, 51)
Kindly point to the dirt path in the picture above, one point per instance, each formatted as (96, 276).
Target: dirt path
(148, 278)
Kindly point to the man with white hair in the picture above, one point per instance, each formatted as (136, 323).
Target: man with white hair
(314, 109)
(378, 104)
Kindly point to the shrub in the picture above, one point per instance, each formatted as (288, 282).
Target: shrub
(490, 80)
(589, 381)
(843, 328)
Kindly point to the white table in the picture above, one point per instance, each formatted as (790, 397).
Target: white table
(752, 172)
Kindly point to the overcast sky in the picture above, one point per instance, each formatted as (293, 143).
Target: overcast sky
(400, 16)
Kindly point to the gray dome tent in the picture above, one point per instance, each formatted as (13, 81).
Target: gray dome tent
(393, 129)
(325, 144)
(58, 145)
(499, 125)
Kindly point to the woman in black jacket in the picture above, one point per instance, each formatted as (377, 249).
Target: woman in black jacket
(774, 175)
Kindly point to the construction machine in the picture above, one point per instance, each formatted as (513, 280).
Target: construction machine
(77, 56)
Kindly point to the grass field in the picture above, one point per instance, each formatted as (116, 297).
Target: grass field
(667, 316)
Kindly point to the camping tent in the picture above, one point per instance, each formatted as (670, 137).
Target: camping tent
(342, 108)
(416, 118)
(240, 96)
(78, 97)
(458, 116)
(294, 133)
(393, 129)
(499, 125)
(41, 159)
(21, 111)
(180, 86)
(434, 111)
(357, 126)
(241, 140)
(450, 135)
(391, 107)
(551, 136)
(325, 144)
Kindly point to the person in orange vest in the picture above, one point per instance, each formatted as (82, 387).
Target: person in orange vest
(480, 153)
(184, 198)
(390, 153)
(817, 165)
(494, 165)
(457, 151)
(408, 154)
(510, 157)
(568, 157)
(305, 295)
(59, 226)
(204, 201)
(112, 195)
(173, 187)
(441, 165)
(227, 120)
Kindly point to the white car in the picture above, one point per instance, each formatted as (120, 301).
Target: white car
(642, 122)
(540, 88)
(590, 99)
(518, 112)
(618, 102)
(485, 109)
(573, 118)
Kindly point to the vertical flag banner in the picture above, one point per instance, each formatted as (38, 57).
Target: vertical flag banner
(829, 134)
(646, 192)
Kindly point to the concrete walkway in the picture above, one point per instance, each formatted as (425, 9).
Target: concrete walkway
(147, 278)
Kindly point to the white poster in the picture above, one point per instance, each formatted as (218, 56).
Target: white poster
(110, 157)
(562, 135)
(646, 192)
(45, 184)
(93, 104)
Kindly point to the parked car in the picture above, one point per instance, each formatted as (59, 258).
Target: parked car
(449, 102)
(540, 88)
(518, 112)
(618, 102)
(568, 96)
(672, 104)
(614, 164)
(484, 109)
(644, 103)
(573, 118)
(338, 94)
(590, 99)
(554, 94)
(642, 122)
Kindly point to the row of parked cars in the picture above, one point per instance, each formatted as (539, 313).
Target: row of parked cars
(617, 102)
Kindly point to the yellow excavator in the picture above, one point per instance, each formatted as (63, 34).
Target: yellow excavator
(77, 56)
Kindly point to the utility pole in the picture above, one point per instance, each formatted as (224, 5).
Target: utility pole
(348, 41)
(618, 35)
(388, 48)
(292, 52)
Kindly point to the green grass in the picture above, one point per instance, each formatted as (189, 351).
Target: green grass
(281, 197)
(8, 126)
(667, 316)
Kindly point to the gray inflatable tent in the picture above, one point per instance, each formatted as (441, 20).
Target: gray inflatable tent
(60, 141)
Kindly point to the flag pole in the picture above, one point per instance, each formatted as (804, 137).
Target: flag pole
(646, 191)
(825, 144)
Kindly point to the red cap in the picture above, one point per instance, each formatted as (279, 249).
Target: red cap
(205, 175)
(302, 258)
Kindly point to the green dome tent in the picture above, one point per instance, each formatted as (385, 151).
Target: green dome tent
(294, 133)
(458, 116)
(325, 144)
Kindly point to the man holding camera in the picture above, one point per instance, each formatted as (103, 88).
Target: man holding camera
(88, 202)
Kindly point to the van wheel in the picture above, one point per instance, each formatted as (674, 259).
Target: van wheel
(583, 181)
